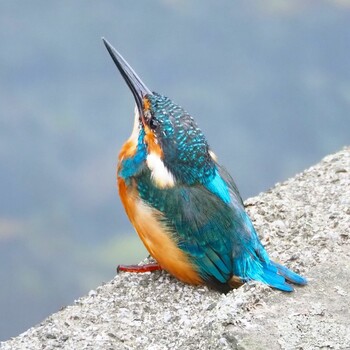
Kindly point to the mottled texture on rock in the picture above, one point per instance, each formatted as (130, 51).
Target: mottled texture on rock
(303, 222)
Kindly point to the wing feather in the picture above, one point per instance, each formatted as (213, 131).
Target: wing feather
(213, 233)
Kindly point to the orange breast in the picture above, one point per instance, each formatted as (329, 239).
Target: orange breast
(156, 237)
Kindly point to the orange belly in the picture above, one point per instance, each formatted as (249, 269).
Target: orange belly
(156, 238)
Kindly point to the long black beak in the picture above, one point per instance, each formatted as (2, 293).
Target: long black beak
(137, 87)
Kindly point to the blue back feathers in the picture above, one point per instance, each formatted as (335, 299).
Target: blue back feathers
(217, 186)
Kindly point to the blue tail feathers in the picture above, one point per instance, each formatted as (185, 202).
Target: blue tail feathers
(276, 276)
(289, 275)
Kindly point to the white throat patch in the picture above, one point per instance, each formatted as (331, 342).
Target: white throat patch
(161, 175)
(136, 129)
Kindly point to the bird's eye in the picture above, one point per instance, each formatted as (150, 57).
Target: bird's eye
(153, 124)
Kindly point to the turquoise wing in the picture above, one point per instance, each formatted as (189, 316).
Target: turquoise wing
(210, 224)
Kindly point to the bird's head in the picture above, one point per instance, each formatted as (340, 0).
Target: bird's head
(173, 146)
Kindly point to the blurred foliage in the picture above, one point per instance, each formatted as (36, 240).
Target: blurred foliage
(269, 83)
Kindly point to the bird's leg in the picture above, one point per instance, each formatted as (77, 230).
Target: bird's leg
(139, 268)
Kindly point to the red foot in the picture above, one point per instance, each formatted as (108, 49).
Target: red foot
(139, 268)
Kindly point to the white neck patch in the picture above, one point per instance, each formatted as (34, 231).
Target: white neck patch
(136, 129)
(161, 175)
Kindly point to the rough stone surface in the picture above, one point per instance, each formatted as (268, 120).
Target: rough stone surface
(303, 222)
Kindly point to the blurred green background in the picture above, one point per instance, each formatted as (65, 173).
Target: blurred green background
(268, 82)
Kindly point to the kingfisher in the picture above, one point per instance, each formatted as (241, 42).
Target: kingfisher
(183, 204)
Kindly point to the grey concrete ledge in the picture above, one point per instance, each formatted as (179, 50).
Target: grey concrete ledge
(303, 222)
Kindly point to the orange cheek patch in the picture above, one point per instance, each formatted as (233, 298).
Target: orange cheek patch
(146, 103)
(150, 139)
